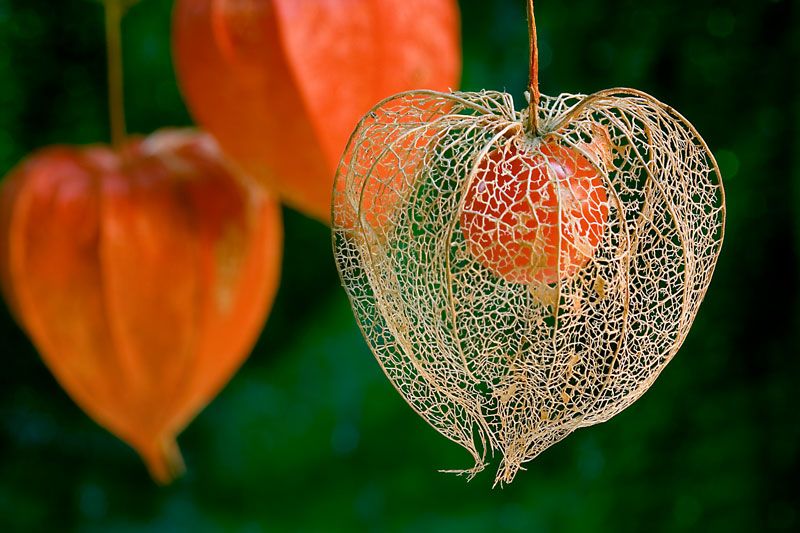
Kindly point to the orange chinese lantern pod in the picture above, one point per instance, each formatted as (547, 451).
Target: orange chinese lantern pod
(282, 83)
(143, 277)
(535, 219)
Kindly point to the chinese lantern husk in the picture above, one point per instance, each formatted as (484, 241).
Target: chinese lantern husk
(512, 366)
(282, 84)
(143, 288)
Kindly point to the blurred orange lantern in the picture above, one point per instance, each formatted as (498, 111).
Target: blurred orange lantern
(143, 277)
(283, 83)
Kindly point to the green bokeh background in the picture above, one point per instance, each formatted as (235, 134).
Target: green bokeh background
(311, 436)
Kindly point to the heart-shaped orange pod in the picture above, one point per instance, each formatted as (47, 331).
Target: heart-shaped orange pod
(142, 276)
(283, 83)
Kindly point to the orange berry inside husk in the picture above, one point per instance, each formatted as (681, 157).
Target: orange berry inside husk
(534, 213)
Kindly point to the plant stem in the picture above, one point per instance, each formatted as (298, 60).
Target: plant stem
(116, 99)
(533, 88)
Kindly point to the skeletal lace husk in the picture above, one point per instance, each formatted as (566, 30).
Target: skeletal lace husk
(506, 367)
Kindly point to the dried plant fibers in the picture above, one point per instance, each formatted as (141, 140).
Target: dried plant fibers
(519, 275)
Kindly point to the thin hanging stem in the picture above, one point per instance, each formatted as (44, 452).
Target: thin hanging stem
(533, 88)
(114, 10)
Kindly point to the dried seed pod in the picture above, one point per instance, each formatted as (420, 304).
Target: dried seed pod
(519, 277)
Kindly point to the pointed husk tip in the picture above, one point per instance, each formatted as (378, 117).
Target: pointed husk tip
(163, 460)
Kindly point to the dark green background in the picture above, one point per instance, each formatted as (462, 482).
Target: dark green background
(311, 436)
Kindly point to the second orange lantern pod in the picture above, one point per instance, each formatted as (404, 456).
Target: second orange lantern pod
(143, 276)
(283, 83)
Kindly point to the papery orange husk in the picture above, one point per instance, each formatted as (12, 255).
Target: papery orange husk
(283, 83)
(142, 276)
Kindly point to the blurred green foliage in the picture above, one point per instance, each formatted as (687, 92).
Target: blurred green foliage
(311, 436)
